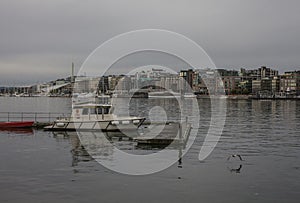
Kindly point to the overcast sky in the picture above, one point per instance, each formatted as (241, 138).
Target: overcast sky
(41, 38)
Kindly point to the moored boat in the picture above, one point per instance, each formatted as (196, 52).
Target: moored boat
(92, 116)
(164, 94)
(189, 95)
(16, 124)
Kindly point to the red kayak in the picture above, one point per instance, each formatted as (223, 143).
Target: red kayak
(16, 124)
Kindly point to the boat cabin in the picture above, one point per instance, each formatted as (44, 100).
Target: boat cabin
(92, 111)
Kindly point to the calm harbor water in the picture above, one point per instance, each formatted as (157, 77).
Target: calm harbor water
(39, 166)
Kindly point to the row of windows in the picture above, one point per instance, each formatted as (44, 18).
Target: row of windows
(93, 111)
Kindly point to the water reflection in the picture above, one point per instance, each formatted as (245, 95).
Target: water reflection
(142, 107)
(18, 131)
(79, 154)
(87, 146)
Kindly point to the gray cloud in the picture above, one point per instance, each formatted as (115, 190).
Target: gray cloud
(40, 39)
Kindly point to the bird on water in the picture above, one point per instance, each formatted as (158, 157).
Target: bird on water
(234, 156)
(236, 170)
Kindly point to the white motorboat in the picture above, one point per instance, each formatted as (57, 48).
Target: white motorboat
(189, 95)
(92, 116)
(170, 94)
(164, 94)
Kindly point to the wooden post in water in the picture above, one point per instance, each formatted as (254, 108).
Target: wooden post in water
(180, 132)
(102, 113)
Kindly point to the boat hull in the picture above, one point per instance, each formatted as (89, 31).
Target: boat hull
(13, 124)
(112, 125)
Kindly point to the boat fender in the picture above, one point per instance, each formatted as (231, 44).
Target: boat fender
(136, 121)
(60, 124)
(125, 122)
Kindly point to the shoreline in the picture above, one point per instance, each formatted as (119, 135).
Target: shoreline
(230, 97)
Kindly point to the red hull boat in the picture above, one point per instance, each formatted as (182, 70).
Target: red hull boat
(16, 124)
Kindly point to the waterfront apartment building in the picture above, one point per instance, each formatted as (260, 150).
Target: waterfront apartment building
(86, 84)
(169, 82)
(264, 80)
(290, 83)
(103, 85)
(260, 73)
(187, 79)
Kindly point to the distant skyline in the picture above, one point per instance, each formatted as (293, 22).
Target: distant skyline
(40, 39)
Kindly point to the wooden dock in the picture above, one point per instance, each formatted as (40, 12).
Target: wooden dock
(155, 134)
(176, 133)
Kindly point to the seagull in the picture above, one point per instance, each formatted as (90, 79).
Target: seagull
(235, 155)
(237, 170)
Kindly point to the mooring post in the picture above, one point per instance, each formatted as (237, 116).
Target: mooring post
(102, 113)
(180, 131)
(22, 116)
(7, 116)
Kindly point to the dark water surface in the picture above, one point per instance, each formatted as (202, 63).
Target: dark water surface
(38, 166)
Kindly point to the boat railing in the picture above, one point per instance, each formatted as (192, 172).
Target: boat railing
(32, 116)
